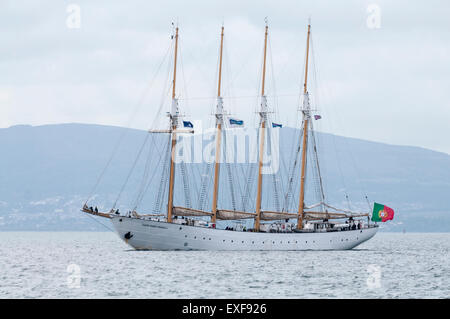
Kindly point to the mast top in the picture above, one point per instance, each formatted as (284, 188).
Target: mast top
(175, 63)
(305, 90)
(264, 62)
(220, 62)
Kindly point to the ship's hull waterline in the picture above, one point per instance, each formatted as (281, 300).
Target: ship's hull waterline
(154, 235)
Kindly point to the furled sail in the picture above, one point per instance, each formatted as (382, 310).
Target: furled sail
(231, 214)
(265, 215)
(136, 215)
(327, 215)
(184, 211)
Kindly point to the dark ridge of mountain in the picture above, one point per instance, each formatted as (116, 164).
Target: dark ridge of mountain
(48, 171)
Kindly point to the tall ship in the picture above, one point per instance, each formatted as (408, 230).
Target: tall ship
(318, 226)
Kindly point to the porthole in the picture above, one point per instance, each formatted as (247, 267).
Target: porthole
(185, 236)
(253, 242)
(242, 241)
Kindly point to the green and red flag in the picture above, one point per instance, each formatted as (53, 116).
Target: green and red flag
(382, 213)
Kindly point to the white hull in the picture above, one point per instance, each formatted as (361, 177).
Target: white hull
(154, 235)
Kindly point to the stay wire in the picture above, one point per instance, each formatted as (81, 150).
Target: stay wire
(124, 133)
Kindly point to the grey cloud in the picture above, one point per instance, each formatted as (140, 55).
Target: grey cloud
(382, 84)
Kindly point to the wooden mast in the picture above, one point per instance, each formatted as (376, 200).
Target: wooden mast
(263, 114)
(174, 122)
(219, 121)
(220, 63)
(306, 116)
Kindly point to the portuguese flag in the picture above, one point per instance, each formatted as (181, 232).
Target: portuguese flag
(382, 213)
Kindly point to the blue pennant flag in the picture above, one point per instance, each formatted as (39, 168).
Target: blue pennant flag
(236, 122)
(276, 125)
(188, 124)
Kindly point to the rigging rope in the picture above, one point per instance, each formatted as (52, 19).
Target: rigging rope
(140, 151)
(229, 173)
(163, 180)
(250, 175)
(204, 186)
(140, 198)
(124, 133)
(335, 147)
(343, 210)
(289, 194)
(97, 221)
(131, 170)
(316, 160)
(187, 194)
(144, 177)
(274, 175)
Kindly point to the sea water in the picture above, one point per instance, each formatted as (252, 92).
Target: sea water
(100, 265)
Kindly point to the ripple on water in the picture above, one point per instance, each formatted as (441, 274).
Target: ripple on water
(408, 266)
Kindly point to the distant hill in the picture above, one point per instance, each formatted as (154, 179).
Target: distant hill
(47, 172)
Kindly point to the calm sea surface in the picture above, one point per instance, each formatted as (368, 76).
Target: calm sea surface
(100, 265)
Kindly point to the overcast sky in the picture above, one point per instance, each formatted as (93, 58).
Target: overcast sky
(381, 78)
